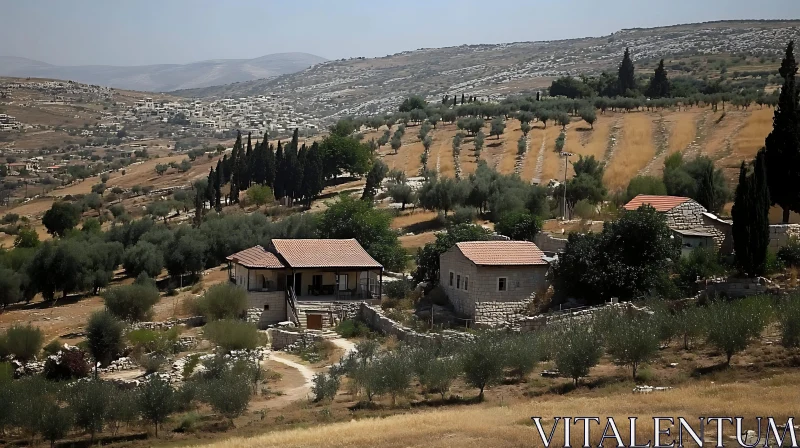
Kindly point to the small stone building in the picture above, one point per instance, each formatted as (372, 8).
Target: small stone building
(489, 280)
(690, 221)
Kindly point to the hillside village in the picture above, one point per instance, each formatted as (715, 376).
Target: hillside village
(425, 243)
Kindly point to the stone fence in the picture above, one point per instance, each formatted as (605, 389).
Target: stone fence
(780, 234)
(376, 320)
(549, 243)
(281, 339)
(194, 321)
(494, 314)
(738, 287)
(535, 323)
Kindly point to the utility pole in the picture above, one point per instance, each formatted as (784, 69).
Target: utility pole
(566, 165)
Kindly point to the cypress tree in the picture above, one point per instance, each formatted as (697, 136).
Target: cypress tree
(759, 232)
(627, 80)
(290, 164)
(280, 173)
(659, 83)
(236, 171)
(742, 220)
(297, 174)
(313, 174)
(258, 170)
(783, 143)
(269, 168)
(226, 170)
(218, 187)
(455, 98)
(247, 164)
(462, 98)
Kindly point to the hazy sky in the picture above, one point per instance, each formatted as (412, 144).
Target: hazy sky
(133, 32)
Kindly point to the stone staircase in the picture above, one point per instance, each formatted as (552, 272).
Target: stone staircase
(325, 309)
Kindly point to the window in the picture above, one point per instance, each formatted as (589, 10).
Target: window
(458, 281)
(502, 283)
(451, 279)
(466, 283)
(266, 307)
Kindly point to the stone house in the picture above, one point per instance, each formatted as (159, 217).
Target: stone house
(304, 280)
(689, 221)
(487, 280)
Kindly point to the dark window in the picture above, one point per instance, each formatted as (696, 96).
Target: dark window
(458, 281)
(266, 307)
(451, 279)
(501, 284)
(466, 283)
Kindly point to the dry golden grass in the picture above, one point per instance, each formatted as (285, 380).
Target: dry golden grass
(509, 156)
(413, 242)
(719, 143)
(535, 137)
(553, 163)
(493, 426)
(751, 137)
(683, 130)
(409, 217)
(634, 150)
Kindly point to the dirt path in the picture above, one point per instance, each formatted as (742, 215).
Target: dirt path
(297, 393)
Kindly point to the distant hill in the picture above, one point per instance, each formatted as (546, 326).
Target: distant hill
(164, 77)
(360, 86)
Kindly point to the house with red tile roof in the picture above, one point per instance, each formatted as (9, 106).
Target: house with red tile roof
(301, 279)
(689, 221)
(488, 281)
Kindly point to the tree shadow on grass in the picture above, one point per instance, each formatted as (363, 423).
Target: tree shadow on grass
(707, 370)
(494, 145)
(452, 400)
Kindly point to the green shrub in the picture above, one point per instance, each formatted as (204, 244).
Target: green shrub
(483, 361)
(22, 341)
(131, 303)
(789, 254)
(232, 335)
(223, 301)
(191, 363)
(398, 289)
(689, 324)
(91, 401)
(584, 209)
(228, 395)
(578, 350)
(156, 401)
(438, 375)
(6, 373)
(55, 422)
(773, 264)
(394, 371)
(789, 318)
(325, 386)
(188, 422)
(52, 347)
(349, 328)
(522, 355)
(104, 336)
(159, 341)
(462, 215)
(632, 340)
(702, 262)
(732, 326)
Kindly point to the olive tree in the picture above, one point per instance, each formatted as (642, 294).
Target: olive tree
(131, 303)
(579, 350)
(632, 340)
(732, 326)
(483, 360)
(156, 401)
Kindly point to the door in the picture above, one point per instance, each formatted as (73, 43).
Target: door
(314, 321)
(343, 282)
(298, 283)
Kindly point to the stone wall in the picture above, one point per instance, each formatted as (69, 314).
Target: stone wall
(375, 319)
(194, 321)
(738, 287)
(494, 314)
(549, 243)
(281, 339)
(780, 234)
(271, 307)
(535, 323)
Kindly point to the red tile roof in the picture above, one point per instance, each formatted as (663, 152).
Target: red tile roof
(502, 253)
(256, 257)
(660, 203)
(324, 253)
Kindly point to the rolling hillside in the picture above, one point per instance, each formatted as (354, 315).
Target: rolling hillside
(630, 144)
(164, 77)
(359, 86)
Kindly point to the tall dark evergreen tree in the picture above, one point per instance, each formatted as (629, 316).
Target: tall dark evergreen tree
(246, 167)
(462, 98)
(210, 193)
(226, 169)
(269, 165)
(659, 83)
(236, 170)
(313, 174)
(258, 170)
(280, 173)
(298, 172)
(627, 80)
(455, 98)
(750, 215)
(218, 181)
(375, 176)
(759, 236)
(290, 166)
(783, 143)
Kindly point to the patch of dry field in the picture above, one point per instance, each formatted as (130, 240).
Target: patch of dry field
(684, 130)
(746, 143)
(553, 163)
(508, 157)
(634, 150)
(493, 426)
